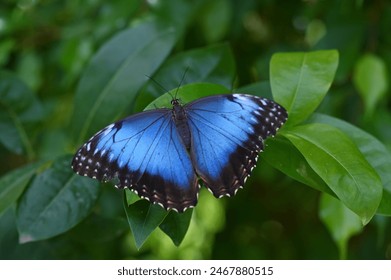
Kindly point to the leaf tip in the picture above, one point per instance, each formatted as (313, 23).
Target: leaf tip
(25, 238)
(365, 220)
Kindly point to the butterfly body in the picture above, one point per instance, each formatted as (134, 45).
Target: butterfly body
(162, 154)
(180, 119)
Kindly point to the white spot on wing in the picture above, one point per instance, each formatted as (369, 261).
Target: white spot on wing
(107, 129)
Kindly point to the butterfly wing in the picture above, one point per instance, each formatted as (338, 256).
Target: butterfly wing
(144, 153)
(227, 133)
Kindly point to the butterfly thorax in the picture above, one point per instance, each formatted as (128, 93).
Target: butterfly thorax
(180, 119)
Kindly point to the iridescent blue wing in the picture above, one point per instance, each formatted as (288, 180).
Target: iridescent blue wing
(144, 153)
(227, 134)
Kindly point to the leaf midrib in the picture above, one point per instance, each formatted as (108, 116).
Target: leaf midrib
(298, 85)
(320, 147)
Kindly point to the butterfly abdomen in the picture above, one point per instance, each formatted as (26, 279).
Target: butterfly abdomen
(180, 119)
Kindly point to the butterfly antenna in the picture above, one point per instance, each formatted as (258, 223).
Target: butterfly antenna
(183, 78)
(159, 84)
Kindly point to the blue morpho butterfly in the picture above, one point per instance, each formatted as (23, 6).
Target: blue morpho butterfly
(162, 154)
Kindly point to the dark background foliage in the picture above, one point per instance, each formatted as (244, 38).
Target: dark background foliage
(45, 46)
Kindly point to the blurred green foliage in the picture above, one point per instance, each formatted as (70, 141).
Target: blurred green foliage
(49, 50)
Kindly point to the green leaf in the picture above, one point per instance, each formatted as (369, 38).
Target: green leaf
(131, 197)
(19, 107)
(299, 81)
(13, 184)
(371, 79)
(143, 218)
(282, 155)
(175, 225)
(341, 222)
(373, 150)
(117, 72)
(56, 200)
(340, 164)
(187, 94)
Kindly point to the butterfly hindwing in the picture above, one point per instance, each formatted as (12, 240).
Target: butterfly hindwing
(227, 133)
(143, 152)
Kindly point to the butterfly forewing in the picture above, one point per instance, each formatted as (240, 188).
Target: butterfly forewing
(143, 152)
(227, 135)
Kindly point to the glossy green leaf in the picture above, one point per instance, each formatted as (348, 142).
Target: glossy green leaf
(341, 222)
(18, 107)
(299, 81)
(117, 72)
(373, 150)
(341, 165)
(143, 218)
(130, 197)
(56, 201)
(284, 156)
(13, 184)
(371, 80)
(175, 225)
